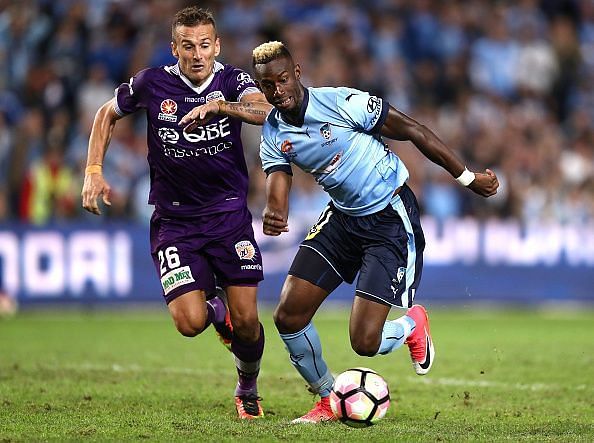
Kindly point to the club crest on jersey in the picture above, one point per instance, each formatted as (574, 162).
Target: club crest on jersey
(326, 131)
(214, 95)
(245, 250)
(168, 108)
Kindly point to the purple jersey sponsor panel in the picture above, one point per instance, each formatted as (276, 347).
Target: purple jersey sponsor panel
(195, 173)
(188, 253)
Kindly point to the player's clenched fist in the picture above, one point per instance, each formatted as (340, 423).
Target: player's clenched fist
(273, 223)
(484, 184)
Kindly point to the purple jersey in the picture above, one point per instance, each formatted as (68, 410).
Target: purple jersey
(197, 173)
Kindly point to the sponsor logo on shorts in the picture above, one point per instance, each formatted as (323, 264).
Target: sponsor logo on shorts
(176, 278)
(245, 250)
(168, 109)
(255, 267)
(394, 287)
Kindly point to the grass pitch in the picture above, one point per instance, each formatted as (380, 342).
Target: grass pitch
(121, 376)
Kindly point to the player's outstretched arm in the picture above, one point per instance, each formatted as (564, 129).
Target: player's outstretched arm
(252, 109)
(399, 126)
(94, 183)
(276, 213)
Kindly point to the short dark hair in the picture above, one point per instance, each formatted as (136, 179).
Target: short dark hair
(269, 51)
(192, 16)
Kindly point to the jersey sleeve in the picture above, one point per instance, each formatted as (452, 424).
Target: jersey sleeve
(240, 83)
(271, 155)
(130, 96)
(364, 111)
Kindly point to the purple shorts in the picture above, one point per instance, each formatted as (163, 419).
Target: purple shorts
(190, 252)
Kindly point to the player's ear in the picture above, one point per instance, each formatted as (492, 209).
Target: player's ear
(297, 71)
(217, 47)
(174, 50)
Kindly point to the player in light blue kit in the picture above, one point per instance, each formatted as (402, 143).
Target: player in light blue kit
(370, 227)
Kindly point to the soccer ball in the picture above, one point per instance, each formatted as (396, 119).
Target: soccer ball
(360, 397)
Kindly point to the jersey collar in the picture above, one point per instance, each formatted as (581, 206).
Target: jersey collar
(174, 69)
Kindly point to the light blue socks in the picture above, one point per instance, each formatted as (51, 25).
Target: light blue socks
(305, 352)
(395, 333)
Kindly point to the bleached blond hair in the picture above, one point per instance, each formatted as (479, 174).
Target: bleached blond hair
(269, 51)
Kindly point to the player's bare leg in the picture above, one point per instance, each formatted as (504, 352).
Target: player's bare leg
(299, 302)
(371, 333)
(366, 325)
(190, 314)
(247, 346)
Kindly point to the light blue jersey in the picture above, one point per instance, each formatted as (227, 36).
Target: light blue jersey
(339, 143)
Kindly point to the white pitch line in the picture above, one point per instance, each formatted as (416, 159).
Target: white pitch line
(495, 384)
(440, 381)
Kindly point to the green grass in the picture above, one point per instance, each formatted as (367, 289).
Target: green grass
(121, 376)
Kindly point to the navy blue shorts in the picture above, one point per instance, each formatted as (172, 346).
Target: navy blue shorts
(385, 248)
(189, 253)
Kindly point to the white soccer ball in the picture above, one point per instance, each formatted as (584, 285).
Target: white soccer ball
(360, 397)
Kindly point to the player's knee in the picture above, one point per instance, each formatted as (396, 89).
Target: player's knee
(187, 326)
(287, 323)
(365, 346)
(246, 327)
(187, 330)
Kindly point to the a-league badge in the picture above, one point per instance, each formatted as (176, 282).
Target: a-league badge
(245, 250)
(168, 108)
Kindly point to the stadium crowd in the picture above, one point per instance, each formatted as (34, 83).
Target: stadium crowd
(508, 84)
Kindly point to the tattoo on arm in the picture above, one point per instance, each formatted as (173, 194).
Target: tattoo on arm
(253, 113)
(247, 107)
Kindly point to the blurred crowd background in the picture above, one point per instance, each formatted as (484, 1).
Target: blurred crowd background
(507, 84)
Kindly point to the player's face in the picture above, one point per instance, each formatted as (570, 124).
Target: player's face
(195, 48)
(279, 81)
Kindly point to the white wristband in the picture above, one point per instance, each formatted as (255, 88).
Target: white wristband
(466, 178)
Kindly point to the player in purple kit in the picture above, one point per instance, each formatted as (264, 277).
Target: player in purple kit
(201, 228)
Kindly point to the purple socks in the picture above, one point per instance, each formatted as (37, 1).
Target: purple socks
(247, 361)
